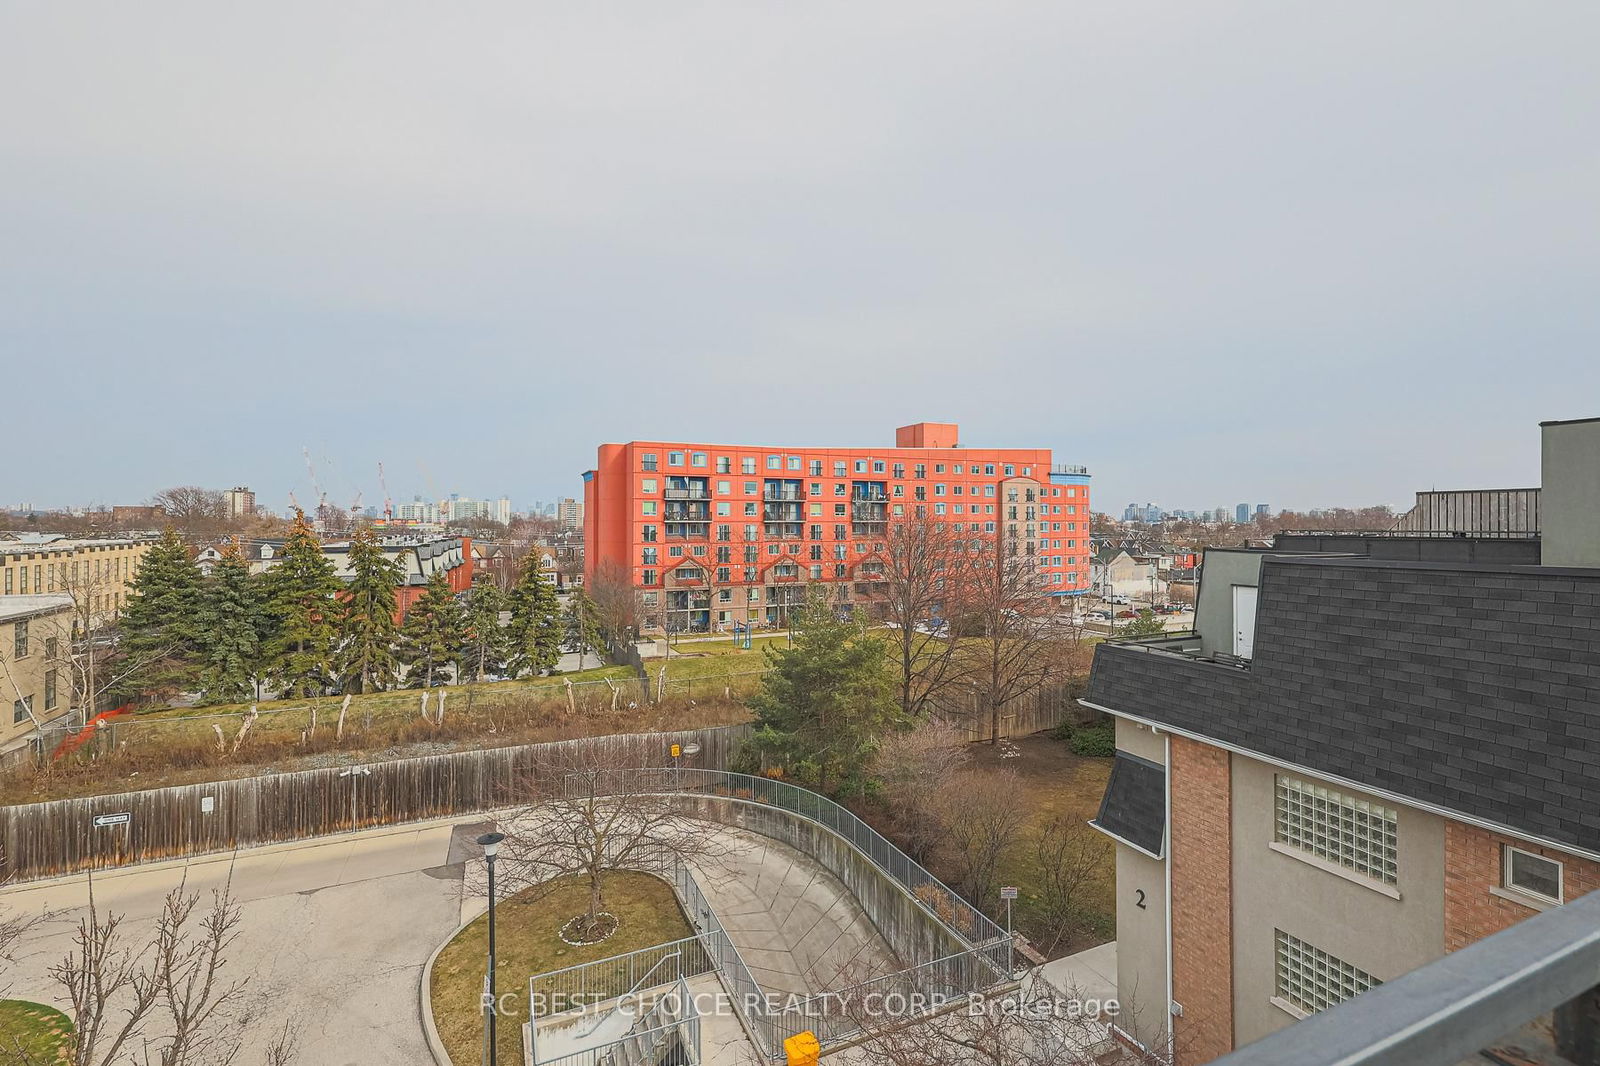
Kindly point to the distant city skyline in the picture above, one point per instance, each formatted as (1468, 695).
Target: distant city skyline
(1339, 269)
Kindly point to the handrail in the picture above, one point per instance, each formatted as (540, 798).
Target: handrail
(640, 983)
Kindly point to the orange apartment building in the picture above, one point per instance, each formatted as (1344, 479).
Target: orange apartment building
(722, 535)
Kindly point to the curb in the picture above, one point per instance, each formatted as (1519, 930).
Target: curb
(430, 1030)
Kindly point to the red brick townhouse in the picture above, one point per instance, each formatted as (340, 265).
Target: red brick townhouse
(1372, 751)
(714, 535)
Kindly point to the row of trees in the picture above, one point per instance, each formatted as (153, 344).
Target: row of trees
(301, 630)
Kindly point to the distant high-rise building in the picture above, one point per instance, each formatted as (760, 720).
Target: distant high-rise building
(241, 502)
(1241, 513)
(570, 513)
(502, 510)
(1261, 510)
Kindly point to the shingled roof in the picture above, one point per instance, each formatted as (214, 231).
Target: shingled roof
(1472, 688)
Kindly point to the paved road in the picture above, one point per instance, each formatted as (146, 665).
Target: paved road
(334, 937)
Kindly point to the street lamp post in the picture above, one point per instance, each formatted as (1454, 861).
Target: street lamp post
(490, 842)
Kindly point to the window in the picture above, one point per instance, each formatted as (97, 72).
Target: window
(774, 462)
(794, 462)
(647, 485)
(877, 466)
(19, 712)
(747, 464)
(51, 647)
(648, 577)
(1310, 980)
(724, 465)
(861, 466)
(648, 557)
(838, 468)
(725, 488)
(649, 507)
(697, 459)
(816, 468)
(648, 461)
(1355, 834)
(20, 639)
(674, 458)
(1532, 874)
(49, 690)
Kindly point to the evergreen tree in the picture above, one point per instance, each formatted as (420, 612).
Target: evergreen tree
(301, 593)
(230, 617)
(583, 626)
(825, 703)
(160, 621)
(366, 660)
(433, 633)
(485, 648)
(536, 632)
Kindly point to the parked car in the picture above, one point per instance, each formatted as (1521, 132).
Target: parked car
(1099, 616)
(1119, 599)
(1127, 614)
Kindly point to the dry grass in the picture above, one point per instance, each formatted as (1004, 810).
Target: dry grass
(526, 944)
(141, 754)
(41, 1034)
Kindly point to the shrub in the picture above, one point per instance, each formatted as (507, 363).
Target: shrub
(1098, 740)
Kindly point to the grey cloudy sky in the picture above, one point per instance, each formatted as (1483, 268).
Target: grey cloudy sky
(1305, 254)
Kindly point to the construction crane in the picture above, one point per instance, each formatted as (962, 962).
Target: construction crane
(311, 468)
(388, 503)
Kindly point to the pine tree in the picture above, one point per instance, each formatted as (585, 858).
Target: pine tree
(536, 630)
(583, 626)
(366, 660)
(432, 635)
(160, 621)
(230, 617)
(825, 703)
(485, 637)
(301, 598)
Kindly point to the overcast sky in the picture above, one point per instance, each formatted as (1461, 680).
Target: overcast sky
(1307, 254)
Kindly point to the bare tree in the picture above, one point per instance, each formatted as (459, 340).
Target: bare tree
(1012, 652)
(915, 767)
(593, 809)
(193, 511)
(984, 814)
(165, 1002)
(1068, 858)
(924, 568)
(616, 601)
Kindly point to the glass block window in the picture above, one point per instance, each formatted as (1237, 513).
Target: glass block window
(1354, 833)
(1313, 980)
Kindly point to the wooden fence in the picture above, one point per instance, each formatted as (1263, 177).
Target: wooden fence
(96, 832)
(1033, 713)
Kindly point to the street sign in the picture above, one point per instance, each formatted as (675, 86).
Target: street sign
(1008, 892)
(676, 751)
(113, 819)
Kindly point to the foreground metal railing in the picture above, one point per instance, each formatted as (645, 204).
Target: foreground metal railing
(1445, 1012)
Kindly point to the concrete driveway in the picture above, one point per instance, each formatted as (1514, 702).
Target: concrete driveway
(334, 936)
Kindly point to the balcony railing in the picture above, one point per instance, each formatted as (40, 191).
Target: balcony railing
(791, 495)
(687, 494)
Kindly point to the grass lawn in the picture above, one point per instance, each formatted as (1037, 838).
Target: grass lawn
(526, 944)
(1058, 784)
(40, 1032)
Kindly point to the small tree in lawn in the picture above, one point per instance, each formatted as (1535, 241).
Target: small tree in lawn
(583, 626)
(915, 766)
(485, 646)
(432, 635)
(160, 621)
(367, 629)
(301, 599)
(230, 618)
(824, 704)
(536, 632)
(591, 810)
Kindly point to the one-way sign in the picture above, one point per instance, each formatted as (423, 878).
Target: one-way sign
(113, 819)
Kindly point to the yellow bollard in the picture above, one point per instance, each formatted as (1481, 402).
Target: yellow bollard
(802, 1049)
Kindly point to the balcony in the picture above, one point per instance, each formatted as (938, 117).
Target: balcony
(786, 495)
(687, 494)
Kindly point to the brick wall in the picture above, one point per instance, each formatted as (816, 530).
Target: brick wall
(1472, 866)
(1202, 901)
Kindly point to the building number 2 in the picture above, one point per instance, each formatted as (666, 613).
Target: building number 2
(1140, 893)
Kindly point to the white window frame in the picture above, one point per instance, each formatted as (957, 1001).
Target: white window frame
(1507, 850)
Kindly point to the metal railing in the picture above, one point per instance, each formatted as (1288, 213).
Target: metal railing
(587, 983)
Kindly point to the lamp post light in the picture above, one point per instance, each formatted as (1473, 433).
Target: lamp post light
(490, 842)
(353, 773)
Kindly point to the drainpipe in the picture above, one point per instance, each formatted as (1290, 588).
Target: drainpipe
(1167, 742)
